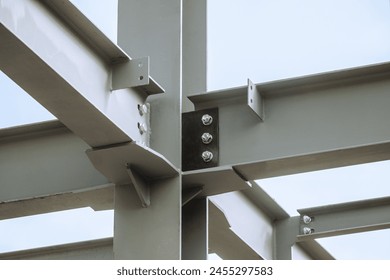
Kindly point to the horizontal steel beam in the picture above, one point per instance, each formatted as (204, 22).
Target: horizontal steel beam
(345, 218)
(310, 123)
(44, 159)
(100, 249)
(98, 198)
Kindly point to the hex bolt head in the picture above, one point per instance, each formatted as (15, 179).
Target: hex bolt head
(306, 219)
(142, 127)
(207, 119)
(207, 156)
(207, 138)
(307, 230)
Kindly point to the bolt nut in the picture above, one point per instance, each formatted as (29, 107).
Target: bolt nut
(142, 127)
(207, 119)
(207, 138)
(143, 109)
(307, 230)
(306, 219)
(207, 156)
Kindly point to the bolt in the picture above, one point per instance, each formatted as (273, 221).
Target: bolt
(207, 119)
(143, 109)
(207, 156)
(307, 230)
(207, 138)
(306, 219)
(142, 128)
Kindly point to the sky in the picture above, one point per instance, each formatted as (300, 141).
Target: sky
(262, 40)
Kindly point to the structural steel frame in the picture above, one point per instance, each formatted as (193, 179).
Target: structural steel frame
(120, 130)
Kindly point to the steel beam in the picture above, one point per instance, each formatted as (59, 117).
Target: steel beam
(52, 59)
(284, 240)
(315, 122)
(223, 241)
(100, 249)
(43, 159)
(247, 222)
(98, 198)
(345, 218)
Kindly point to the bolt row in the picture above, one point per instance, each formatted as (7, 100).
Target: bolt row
(307, 220)
(207, 138)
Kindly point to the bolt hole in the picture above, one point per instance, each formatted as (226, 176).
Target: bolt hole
(251, 100)
(141, 78)
(251, 87)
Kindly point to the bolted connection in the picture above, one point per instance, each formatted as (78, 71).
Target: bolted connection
(207, 138)
(207, 119)
(306, 219)
(207, 156)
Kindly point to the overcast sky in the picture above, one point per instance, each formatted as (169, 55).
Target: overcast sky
(262, 40)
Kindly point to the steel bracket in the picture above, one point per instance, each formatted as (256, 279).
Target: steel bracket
(141, 186)
(134, 73)
(200, 139)
(255, 100)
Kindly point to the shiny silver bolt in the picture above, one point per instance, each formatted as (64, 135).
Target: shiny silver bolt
(207, 138)
(306, 219)
(207, 156)
(207, 119)
(307, 230)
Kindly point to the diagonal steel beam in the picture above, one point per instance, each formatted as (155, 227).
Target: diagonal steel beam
(52, 58)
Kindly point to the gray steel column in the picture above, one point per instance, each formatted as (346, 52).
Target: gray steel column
(285, 235)
(154, 28)
(195, 230)
(195, 212)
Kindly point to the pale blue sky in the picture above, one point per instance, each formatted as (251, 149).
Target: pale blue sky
(262, 40)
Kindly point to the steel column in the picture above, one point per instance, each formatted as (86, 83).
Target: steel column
(153, 28)
(285, 235)
(195, 230)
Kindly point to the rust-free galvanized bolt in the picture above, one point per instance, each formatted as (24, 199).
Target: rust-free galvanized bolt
(307, 230)
(306, 219)
(207, 156)
(207, 119)
(207, 138)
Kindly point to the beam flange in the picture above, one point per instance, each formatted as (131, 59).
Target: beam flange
(113, 161)
(215, 180)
